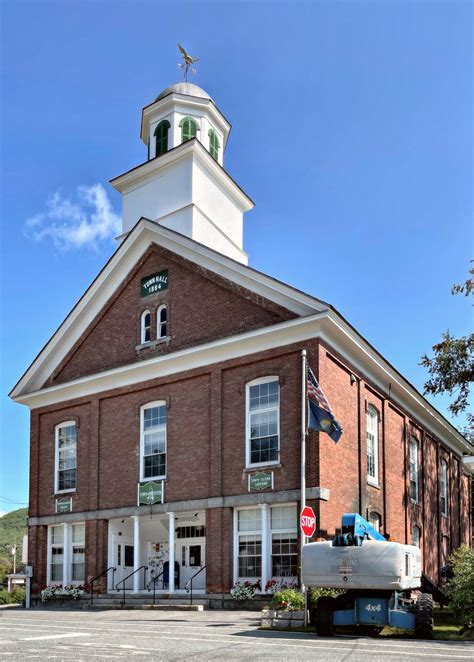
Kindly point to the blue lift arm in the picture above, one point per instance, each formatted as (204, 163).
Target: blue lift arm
(355, 529)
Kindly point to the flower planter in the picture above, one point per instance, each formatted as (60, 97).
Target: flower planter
(279, 618)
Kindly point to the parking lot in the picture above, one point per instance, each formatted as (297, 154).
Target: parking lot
(210, 635)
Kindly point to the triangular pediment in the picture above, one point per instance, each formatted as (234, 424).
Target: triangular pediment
(218, 297)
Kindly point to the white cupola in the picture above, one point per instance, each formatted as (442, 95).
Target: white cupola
(183, 184)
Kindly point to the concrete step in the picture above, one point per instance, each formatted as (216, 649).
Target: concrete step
(166, 607)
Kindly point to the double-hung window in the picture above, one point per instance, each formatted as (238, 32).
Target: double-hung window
(374, 519)
(415, 535)
(413, 469)
(145, 327)
(162, 322)
(372, 446)
(66, 451)
(263, 422)
(249, 543)
(284, 541)
(153, 441)
(444, 488)
(57, 553)
(78, 557)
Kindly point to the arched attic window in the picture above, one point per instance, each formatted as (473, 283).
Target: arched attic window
(145, 327)
(161, 135)
(161, 322)
(189, 129)
(213, 144)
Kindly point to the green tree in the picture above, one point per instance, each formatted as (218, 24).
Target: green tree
(461, 586)
(452, 366)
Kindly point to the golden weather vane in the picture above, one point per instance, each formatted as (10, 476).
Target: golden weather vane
(188, 62)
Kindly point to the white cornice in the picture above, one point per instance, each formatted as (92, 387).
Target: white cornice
(192, 148)
(327, 325)
(187, 359)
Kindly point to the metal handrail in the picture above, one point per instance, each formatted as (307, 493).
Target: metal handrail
(189, 583)
(122, 581)
(154, 580)
(91, 583)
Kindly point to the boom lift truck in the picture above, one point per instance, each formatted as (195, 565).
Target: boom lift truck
(378, 576)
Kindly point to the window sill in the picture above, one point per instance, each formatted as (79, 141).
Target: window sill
(414, 503)
(61, 492)
(149, 480)
(256, 467)
(153, 343)
(373, 483)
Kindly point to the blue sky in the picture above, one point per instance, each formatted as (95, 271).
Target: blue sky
(351, 131)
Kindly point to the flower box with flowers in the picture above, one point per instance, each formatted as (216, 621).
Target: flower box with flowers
(60, 593)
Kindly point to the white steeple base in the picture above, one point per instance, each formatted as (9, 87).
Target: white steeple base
(187, 191)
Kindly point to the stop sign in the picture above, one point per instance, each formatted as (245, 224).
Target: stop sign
(308, 521)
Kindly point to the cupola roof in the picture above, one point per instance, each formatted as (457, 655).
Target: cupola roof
(188, 89)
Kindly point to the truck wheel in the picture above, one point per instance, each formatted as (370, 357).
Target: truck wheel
(424, 617)
(323, 617)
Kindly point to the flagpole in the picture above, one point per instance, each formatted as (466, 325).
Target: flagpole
(304, 386)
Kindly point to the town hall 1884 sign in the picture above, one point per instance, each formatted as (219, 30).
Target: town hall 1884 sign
(150, 493)
(154, 283)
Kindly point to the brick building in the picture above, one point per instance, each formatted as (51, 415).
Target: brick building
(165, 410)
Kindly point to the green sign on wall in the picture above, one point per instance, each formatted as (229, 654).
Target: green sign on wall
(64, 505)
(261, 480)
(149, 493)
(154, 283)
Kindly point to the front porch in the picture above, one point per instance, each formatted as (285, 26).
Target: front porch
(143, 549)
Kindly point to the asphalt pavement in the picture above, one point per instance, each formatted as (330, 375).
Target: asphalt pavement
(210, 635)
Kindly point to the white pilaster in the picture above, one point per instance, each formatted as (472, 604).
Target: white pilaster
(171, 552)
(265, 544)
(67, 557)
(136, 553)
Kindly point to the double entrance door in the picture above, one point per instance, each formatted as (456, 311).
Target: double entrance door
(190, 554)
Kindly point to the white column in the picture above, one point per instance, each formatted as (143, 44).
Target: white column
(67, 558)
(265, 544)
(136, 553)
(171, 553)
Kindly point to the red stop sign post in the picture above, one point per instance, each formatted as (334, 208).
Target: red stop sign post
(308, 521)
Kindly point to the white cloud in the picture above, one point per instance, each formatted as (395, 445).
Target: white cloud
(80, 224)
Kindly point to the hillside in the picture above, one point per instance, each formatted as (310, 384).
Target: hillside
(12, 529)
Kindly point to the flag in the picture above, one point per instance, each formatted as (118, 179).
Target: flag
(320, 414)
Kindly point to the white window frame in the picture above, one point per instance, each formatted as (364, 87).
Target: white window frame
(255, 382)
(159, 324)
(58, 427)
(415, 528)
(289, 532)
(68, 549)
(81, 544)
(375, 520)
(443, 491)
(257, 532)
(143, 327)
(373, 416)
(149, 405)
(413, 468)
(49, 559)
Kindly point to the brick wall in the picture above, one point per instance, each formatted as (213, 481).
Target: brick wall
(111, 339)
